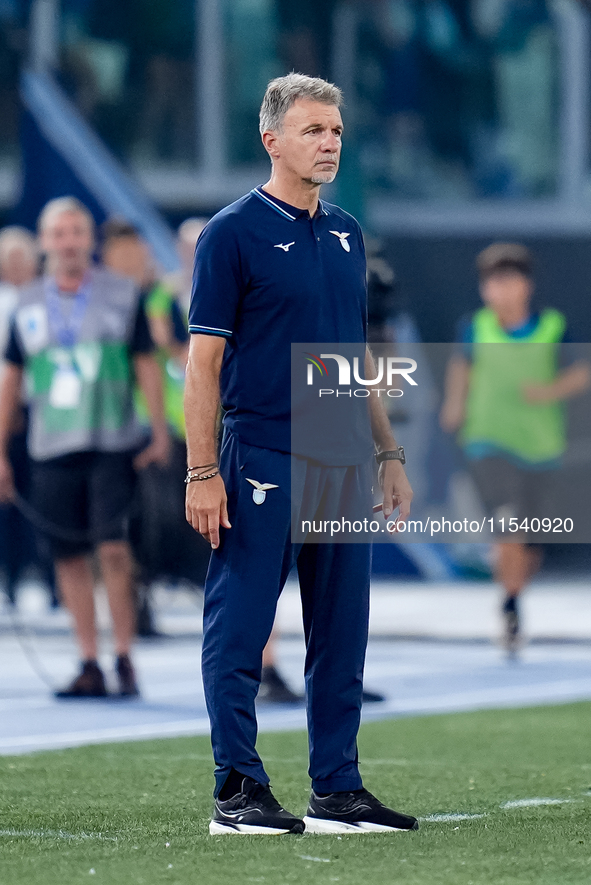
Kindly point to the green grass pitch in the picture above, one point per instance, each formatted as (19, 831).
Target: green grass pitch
(137, 813)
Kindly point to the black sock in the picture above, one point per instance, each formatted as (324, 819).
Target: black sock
(232, 785)
(510, 604)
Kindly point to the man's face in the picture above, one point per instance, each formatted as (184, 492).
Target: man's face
(18, 265)
(309, 143)
(130, 257)
(68, 241)
(507, 290)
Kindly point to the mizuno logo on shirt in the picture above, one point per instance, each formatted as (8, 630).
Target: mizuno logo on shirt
(342, 239)
(285, 246)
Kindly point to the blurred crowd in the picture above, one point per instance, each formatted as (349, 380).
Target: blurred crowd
(67, 489)
(74, 481)
(92, 430)
(445, 97)
(468, 91)
(66, 480)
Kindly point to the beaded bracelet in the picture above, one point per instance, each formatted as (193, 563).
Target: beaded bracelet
(202, 467)
(200, 477)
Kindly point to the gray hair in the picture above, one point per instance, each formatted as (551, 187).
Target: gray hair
(282, 92)
(15, 237)
(59, 206)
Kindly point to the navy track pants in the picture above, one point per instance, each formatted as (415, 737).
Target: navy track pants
(246, 576)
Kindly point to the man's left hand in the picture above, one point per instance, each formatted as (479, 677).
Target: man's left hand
(396, 489)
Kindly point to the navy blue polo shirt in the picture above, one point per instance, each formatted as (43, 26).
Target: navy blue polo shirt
(266, 275)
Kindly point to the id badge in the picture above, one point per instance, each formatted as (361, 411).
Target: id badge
(66, 389)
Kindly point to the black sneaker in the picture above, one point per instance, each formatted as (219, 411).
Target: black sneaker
(90, 683)
(126, 675)
(355, 812)
(253, 811)
(273, 689)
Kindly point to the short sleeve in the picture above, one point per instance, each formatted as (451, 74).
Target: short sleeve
(217, 281)
(141, 340)
(13, 352)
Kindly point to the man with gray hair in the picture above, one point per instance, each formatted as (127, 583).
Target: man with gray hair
(276, 267)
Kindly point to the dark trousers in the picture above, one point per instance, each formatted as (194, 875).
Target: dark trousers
(246, 575)
(164, 543)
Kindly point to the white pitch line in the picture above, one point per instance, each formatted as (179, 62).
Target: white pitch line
(533, 803)
(513, 803)
(54, 834)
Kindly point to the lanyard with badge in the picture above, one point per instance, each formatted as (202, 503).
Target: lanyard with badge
(66, 385)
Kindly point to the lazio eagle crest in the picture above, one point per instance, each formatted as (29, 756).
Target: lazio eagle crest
(259, 493)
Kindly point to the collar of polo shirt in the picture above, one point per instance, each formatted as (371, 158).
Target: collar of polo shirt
(284, 209)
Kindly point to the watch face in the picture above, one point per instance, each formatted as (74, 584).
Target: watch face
(396, 455)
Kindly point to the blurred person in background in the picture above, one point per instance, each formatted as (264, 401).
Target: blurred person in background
(403, 90)
(164, 36)
(164, 543)
(19, 258)
(181, 281)
(381, 293)
(80, 334)
(382, 303)
(19, 264)
(522, 43)
(305, 31)
(506, 403)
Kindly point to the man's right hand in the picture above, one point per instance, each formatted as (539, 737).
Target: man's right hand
(206, 508)
(6, 481)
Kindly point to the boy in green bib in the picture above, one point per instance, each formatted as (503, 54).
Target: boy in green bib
(504, 393)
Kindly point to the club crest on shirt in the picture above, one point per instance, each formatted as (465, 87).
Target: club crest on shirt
(342, 239)
(259, 493)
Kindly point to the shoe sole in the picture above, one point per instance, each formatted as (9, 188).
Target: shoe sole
(325, 827)
(216, 828)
